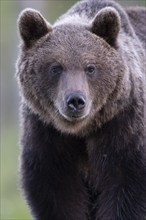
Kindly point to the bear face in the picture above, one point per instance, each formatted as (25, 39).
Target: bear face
(67, 73)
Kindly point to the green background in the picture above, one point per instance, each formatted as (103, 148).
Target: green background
(12, 205)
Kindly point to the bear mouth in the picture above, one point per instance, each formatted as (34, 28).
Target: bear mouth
(73, 117)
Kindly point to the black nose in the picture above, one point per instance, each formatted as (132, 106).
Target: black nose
(75, 102)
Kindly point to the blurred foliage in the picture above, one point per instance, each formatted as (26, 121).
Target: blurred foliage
(12, 203)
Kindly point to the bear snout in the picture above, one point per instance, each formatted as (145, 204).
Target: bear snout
(75, 102)
(75, 106)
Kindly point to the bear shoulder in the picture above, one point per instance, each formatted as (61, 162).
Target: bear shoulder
(137, 16)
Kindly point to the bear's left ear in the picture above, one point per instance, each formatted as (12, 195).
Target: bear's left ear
(32, 26)
(107, 24)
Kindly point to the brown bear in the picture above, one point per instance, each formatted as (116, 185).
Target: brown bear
(83, 110)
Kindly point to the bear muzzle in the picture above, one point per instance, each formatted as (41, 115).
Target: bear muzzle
(75, 102)
(74, 106)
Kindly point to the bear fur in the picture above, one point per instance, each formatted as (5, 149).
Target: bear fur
(83, 112)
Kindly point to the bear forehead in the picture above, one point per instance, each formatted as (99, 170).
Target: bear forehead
(74, 39)
(74, 43)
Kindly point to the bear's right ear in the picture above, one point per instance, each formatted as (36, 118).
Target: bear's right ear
(107, 24)
(32, 26)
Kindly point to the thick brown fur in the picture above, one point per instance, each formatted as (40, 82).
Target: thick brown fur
(83, 112)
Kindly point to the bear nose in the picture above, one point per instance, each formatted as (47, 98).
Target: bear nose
(75, 102)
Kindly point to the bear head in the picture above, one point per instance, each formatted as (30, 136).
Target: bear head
(69, 71)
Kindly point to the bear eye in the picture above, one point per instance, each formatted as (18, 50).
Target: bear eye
(56, 69)
(90, 69)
